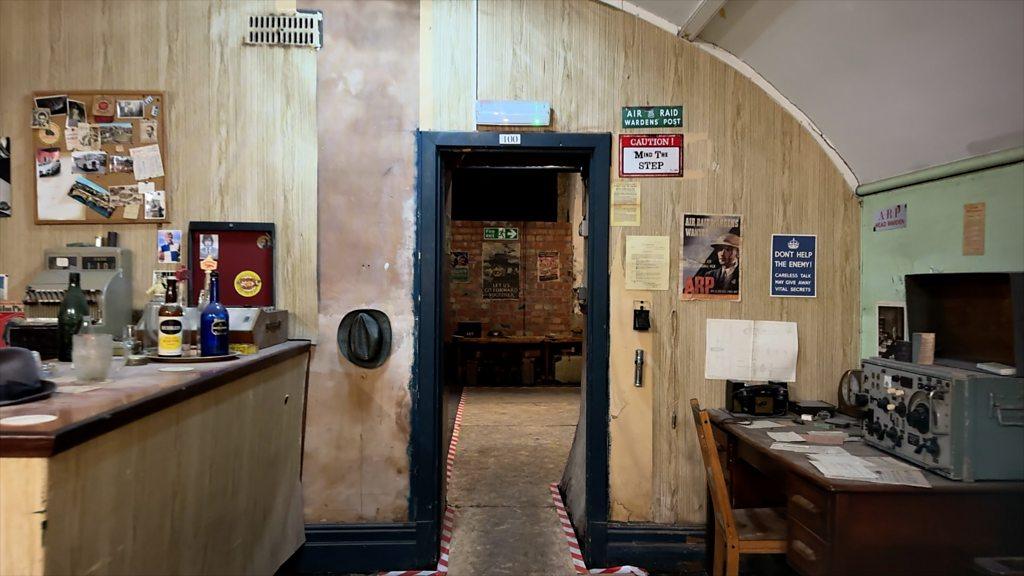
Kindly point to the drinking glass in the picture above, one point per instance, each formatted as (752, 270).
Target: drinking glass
(91, 355)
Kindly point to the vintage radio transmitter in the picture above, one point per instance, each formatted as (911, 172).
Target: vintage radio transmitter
(771, 399)
(962, 424)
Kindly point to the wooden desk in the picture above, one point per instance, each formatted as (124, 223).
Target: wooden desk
(159, 473)
(846, 527)
(548, 347)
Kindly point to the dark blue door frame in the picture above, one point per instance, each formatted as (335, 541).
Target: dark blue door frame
(426, 453)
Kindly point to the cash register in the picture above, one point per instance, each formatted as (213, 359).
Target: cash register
(106, 278)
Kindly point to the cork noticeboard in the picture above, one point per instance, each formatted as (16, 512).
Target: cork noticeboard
(100, 157)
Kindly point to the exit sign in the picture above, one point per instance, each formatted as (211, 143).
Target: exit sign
(652, 116)
(501, 233)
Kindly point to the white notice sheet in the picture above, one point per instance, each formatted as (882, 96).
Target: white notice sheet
(755, 424)
(808, 448)
(786, 437)
(146, 162)
(751, 350)
(647, 262)
(626, 203)
(842, 466)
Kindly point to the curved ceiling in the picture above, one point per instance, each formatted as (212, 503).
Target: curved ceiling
(894, 85)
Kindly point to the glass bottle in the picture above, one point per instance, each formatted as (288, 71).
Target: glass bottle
(213, 324)
(170, 323)
(73, 310)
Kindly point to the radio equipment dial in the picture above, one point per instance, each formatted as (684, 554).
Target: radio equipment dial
(919, 418)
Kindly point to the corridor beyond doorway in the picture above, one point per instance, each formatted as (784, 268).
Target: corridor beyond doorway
(513, 443)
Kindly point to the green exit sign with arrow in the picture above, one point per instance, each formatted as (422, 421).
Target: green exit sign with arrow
(501, 233)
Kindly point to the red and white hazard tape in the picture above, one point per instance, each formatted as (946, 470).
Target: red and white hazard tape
(456, 430)
(574, 545)
(449, 514)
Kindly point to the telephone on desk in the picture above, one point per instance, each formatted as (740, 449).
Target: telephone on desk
(771, 399)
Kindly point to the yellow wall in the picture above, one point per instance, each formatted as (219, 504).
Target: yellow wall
(239, 124)
(744, 155)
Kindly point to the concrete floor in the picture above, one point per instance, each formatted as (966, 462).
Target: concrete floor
(514, 442)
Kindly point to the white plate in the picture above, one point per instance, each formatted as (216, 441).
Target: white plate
(27, 419)
(177, 369)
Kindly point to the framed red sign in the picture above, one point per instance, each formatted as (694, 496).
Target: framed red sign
(650, 155)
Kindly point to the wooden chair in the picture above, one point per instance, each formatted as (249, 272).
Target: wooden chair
(740, 531)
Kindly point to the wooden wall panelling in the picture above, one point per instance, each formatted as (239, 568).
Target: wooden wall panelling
(240, 128)
(744, 155)
(186, 490)
(448, 64)
(22, 515)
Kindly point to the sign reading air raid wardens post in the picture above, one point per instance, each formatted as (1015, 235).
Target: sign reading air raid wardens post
(652, 116)
(650, 155)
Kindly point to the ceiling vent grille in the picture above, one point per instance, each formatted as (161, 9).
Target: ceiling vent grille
(301, 29)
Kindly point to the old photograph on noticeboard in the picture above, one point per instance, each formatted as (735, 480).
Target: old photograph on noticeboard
(710, 261)
(500, 270)
(92, 195)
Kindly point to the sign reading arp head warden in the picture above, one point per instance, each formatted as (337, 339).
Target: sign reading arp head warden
(650, 155)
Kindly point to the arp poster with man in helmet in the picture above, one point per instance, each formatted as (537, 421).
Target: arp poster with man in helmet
(710, 264)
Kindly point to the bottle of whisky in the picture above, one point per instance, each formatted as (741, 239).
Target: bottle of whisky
(73, 310)
(170, 325)
(213, 324)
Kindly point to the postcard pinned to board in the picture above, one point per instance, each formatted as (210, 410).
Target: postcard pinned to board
(751, 350)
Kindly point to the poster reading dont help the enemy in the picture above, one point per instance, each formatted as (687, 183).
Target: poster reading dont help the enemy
(710, 264)
(794, 257)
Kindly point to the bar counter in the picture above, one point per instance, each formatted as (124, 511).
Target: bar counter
(158, 472)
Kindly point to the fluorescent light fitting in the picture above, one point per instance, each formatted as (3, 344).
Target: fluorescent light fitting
(513, 113)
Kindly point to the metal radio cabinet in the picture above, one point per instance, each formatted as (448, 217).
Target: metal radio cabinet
(962, 424)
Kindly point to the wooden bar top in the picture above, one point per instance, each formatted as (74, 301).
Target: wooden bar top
(758, 440)
(129, 393)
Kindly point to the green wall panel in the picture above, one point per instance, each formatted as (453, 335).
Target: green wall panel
(933, 238)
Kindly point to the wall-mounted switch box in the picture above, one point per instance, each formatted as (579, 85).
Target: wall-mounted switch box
(641, 316)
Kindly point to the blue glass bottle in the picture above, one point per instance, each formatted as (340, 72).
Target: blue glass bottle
(213, 324)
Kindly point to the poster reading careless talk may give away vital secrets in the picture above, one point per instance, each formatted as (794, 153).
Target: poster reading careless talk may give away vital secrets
(710, 262)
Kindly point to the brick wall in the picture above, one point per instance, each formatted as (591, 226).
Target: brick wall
(543, 307)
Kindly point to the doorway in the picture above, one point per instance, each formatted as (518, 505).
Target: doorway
(533, 157)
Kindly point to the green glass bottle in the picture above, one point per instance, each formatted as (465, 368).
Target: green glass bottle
(73, 310)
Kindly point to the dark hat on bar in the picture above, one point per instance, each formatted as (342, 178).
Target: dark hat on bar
(19, 378)
(364, 337)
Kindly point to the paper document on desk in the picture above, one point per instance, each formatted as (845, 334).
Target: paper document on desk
(786, 437)
(842, 466)
(749, 350)
(891, 471)
(756, 424)
(808, 449)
